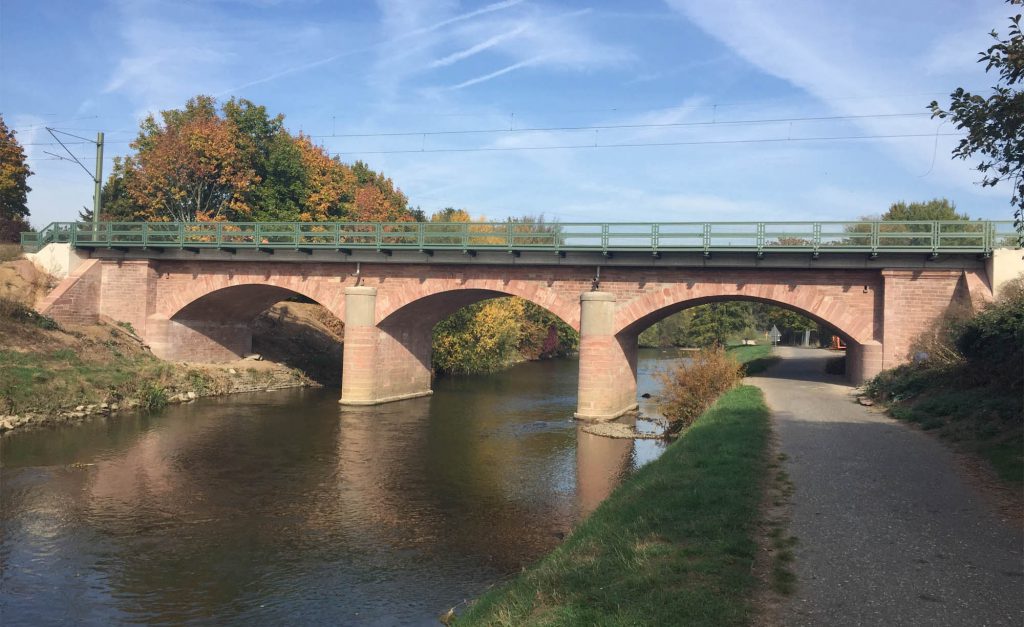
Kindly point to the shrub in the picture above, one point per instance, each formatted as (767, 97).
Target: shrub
(19, 312)
(689, 389)
(993, 341)
(152, 396)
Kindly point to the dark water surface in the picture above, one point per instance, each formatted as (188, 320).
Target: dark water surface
(284, 508)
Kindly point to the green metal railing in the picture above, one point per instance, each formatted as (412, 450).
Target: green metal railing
(761, 237)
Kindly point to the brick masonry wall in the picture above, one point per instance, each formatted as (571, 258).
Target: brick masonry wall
(869, 307)
(129, 292)
(199, 342)
(607, 380)
(76, 300)
(914, 299)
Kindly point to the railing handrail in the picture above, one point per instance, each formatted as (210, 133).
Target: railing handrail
(933, 236)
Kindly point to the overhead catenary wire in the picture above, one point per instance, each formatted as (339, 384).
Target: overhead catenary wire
(639, 125)
(591, 127)
(591, 146)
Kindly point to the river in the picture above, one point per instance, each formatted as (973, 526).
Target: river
(284, 508)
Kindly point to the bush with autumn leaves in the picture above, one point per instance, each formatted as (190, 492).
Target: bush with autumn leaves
(238, 163)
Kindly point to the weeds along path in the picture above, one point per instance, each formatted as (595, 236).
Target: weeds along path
(889, 531)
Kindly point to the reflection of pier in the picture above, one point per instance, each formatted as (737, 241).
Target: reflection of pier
(601, 463)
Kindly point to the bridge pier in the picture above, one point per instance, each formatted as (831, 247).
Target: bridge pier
(607, 382)
(381, 364)
(863, 361)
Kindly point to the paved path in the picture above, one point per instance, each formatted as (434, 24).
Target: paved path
(890, 531)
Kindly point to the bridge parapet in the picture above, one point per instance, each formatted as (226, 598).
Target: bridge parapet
(761, 238)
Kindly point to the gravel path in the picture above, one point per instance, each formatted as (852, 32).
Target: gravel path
(890, 531)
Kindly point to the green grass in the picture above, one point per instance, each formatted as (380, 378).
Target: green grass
(674, 544)
(41, 381)
(756, 359)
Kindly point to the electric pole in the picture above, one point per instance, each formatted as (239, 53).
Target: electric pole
(96, 175)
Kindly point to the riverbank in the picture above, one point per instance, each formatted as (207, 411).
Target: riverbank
(51, 375)
(674, 544)
(967, 385)
(983, 420)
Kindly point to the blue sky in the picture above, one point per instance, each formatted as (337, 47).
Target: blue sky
(344, 68)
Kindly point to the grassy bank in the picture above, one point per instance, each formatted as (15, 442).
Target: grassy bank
(53, 375)
(968, 384)
(985, 420)
(674, 544)
(756, 359)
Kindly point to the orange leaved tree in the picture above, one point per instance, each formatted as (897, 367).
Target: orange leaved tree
(189, 168)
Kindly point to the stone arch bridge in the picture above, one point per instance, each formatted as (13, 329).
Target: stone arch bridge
(198, 304)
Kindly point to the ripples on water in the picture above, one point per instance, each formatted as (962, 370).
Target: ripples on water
(283, 507)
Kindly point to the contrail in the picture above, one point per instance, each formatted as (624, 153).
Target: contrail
(490, 8)
(480, 47)
(496, 73)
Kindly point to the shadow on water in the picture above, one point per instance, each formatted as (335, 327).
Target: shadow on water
(259, 508)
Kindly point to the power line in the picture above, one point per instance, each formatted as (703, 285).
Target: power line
(603, 127)
(767, 140)
(595, 127)
(648, 144)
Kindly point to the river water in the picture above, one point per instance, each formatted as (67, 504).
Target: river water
(283, 508)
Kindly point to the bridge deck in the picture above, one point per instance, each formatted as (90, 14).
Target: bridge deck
(816, 238)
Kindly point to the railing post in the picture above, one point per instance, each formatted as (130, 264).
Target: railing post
(296, 234)
(935, 238)
(110, 234)
(707, 238)
(604, 238)
(145, 234)
(181, 235)
(760, 238)
(378, 234)
(465, 235)
(509, 237)
(420, 235)
(875, 226)
(654, 237)
(816, 236)
(220, 235)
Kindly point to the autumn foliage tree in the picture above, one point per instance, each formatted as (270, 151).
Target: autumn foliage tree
(14, 189)
(190, 168)
(241, 163)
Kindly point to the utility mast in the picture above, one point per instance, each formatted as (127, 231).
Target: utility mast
(96, 175)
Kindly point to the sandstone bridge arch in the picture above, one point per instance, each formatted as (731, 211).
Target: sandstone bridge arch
(188, 307)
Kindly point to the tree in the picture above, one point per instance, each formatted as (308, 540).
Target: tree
(935, 209)
(190, 168)
(713, 324)
(241, 163)
(995, 125)
(14, 189)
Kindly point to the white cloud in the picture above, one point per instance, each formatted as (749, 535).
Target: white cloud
(848, 55)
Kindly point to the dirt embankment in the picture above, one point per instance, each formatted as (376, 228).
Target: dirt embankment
(52, 374)
(302, 335)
